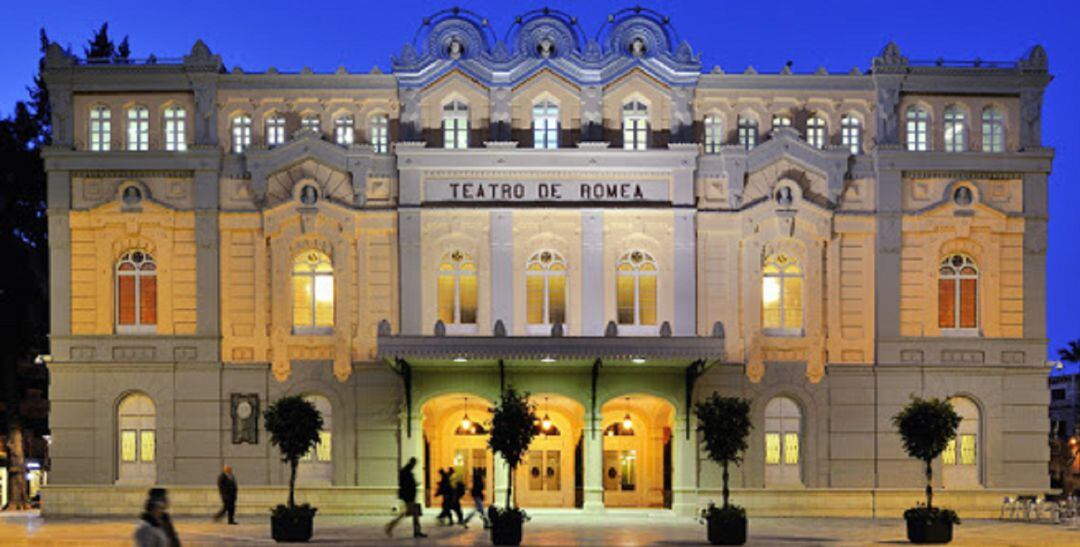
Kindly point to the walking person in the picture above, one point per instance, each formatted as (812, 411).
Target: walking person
(407, 494)
(155, 528)
(477, 494)
(228, 489)
(455, 501)
(445, 490)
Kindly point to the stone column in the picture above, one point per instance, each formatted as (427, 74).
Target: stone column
(594, 466)
(684, 499)
(592, 272)
(502, 268)
(887, 261)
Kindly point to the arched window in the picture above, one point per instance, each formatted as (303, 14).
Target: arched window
(955, 129)
(783, 430)
(635, 124)
(455, 125)
(780, 120)
(137, 440)
(851, 133)
(748, 132)
(545, 125)
(457, 289)
(379, 127)
(317, 466)
(816, 132)
(100, 128)
(782, 295)
(636, 289)
(344, 130)
(136, 292)
(138, 129)
(311, 123)
(545, 290)
(960, 459)
(175, 129)
(313, 293)
(917, 128)
(993, 130)
(714, 134)
(958, 287)
(275, 130)
(241, 133)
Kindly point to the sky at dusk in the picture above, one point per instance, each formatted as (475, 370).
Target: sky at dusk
(838, 35)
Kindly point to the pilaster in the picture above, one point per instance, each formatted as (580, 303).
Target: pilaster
(684, 469)
(502, 267)
(592, 268)
(59, 207)
(685, 270)
(409, 243)
(887, 260)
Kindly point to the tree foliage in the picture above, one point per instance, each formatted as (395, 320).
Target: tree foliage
(724, 423)
(926, 426)
(1070, 354)
(513, 424)
(293, 424)
(101, 47)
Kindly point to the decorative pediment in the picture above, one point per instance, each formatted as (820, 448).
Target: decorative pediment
(342, 172)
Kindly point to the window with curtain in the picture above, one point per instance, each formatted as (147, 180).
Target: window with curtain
(344, 130)
(100, 129)
(457, 289)
(782, 295)
(917, 127)
(955, 129)
(635, 125)
(275, 130)
(545, 125)
(748, 132)
(136, 292)
(958, 287)
(993, 130)
(379, 127)
(851, 134)
(313, 293)
(816, 134)
(138, 129)
(635, 276)
(175, 129)
(714, 134)
(241, 133)
(545, 289)
(455, 124)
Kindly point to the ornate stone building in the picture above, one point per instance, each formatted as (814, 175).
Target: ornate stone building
(597, 221)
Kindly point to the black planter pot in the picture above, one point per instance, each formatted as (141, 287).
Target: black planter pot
(292, 528)
(727, 531)
(920, 531)
(506, 531)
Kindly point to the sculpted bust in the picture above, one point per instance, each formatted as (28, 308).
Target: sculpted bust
(455, 49)
(637, 47)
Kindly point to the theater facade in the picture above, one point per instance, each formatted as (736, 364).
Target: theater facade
(592, 217)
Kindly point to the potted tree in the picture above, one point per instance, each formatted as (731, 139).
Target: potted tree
(724, 423)
(293, 424)
(926, 426)
(512, 431)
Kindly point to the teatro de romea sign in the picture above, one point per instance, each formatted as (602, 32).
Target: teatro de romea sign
(515, 191)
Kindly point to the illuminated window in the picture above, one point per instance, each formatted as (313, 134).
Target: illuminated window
(241, 133)
(636, 288)
(344, 130)
(851, 134)
(782, 295)
(379, 127)
(175, 129)
(311, 123)
(635, 126)
(455, 125)
(457, 289)
(917, 122)
(138, 129)
(545, 125)
(815, 132)
(136, 292)
(748, 132)
(781, 121)
(714, 134)
(275, 130)
(545, 289)
(100, 129)
(146, 446)
(129, 449)
(958, 286)
(993, 130)
(313, 293)
(955, 129)
(963, 450)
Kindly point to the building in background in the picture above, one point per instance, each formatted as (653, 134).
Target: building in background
(598, 221)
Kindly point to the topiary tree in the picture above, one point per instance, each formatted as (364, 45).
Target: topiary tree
(724, 423)
(293, 424)
(926, 426)
(513, 426)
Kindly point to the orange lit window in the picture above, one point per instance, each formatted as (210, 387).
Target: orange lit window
(313, 292)
(635, 278)
(958, 286)
(136, 292)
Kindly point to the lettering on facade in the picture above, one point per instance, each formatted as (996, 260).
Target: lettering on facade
(461, 191)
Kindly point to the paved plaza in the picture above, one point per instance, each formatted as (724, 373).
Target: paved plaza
(556, 528)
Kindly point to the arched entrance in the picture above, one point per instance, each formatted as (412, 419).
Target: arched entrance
(637, 457)
(960, 459)
(548, 474)
(783, 433)
(317, 466)
(455, 437)
(137, 436)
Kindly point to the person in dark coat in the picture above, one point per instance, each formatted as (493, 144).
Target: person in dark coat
(155, 527)
(407, 494)
(445, 490)
(455, 501)
(477, 494)
(227, 488)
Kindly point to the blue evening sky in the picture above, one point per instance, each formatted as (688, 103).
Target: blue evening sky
(839, 35)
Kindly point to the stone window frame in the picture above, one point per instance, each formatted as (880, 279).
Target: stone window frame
(635, 124)
(992, 128)
(917, 128)
(455, 124)
(545, 124)
(240, 131)
(137, 133)
(174, 125)
(955, 131)
(851, 133)
(99, 128)
(546, 273)
(138, 274)
(957, 277)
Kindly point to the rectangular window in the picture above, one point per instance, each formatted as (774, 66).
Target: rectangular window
(793, 309)
(714, 135)
(626, 299)
(138, 133)
(275, 131)
(126, 299)
(467, 287)
(175, 129)
(968, 289)
(324, 301)
(324, 450)
(553, 470)
(851, 134)
(557, 299)
(791, 448)
(628, 470)
(534, 296)
(946, 303)
(380, 134)
(148, 300)
(446, 297)
(770, 303)
(344, 131)
(647, 294)
(311, 123)
(128, 448)
(635, 131)
(100, 129)
(948, 456)
(967, 449)
(748, 133)
(303, 286)
(241, 134)
(772, 448)
(146, 446)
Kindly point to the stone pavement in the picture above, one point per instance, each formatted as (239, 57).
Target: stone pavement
(554, 528)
